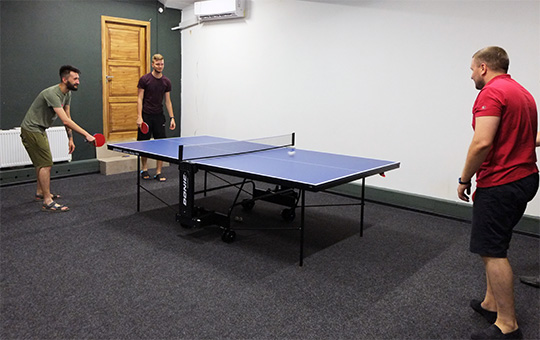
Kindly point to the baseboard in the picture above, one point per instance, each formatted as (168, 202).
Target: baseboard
(64, 169)
(529, 225)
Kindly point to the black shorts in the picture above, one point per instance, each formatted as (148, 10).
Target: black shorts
(496, 211)
(156, 127)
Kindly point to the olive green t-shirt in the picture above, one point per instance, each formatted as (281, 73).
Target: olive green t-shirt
(41, 115)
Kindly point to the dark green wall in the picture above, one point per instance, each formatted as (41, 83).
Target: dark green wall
(37, 37)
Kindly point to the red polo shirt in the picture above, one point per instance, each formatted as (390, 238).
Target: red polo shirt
(513, 154)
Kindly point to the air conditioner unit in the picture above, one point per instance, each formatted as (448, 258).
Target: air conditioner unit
(219, 9)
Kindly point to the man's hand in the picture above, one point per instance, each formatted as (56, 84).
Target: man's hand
(71, 146)
(90, 139)
(464, 190)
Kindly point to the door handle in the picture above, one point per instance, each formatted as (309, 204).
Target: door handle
(109, 77)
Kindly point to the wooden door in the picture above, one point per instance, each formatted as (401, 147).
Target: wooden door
(125, 51)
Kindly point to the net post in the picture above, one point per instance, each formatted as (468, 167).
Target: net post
(293, 138)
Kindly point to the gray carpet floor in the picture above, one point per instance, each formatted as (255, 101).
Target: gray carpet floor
(105, 271)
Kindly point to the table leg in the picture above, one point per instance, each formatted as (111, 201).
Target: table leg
(302, 209)
(362, 203)
(138, 183)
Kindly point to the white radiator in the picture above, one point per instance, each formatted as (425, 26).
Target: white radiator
(13, 153)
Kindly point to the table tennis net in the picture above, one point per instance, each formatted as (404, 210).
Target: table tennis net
(234, 147)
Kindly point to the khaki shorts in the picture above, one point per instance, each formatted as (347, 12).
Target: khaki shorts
(37, 146)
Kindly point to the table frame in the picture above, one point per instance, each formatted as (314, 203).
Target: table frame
(191, 216)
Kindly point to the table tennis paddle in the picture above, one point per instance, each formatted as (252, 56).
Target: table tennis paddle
(99, 139)
(144, 128)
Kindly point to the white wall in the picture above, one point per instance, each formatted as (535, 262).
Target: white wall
(383, 79)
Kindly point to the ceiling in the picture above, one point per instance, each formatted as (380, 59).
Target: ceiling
(178, 4)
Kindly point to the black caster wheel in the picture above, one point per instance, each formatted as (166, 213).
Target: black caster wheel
(288, 214)
(228, 236)
(247, 205)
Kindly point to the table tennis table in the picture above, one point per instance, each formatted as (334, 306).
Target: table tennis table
(292, 171)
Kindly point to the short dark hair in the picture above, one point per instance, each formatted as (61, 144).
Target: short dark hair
(66, 70)
(494, 57)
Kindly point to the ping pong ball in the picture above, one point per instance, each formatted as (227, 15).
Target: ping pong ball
(291, 152)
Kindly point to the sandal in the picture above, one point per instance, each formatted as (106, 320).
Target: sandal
(40, 197)
(54, 207)
(160, 178)
(145, 175)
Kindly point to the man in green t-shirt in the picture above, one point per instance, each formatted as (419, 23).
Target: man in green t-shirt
(51, 103)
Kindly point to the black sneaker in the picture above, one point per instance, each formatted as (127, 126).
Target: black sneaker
(493, 332)
(490, 316)
(528, 280)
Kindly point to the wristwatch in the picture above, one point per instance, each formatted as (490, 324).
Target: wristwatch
(460, 182)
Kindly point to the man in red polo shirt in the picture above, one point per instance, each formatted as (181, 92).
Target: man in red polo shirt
(502, 155)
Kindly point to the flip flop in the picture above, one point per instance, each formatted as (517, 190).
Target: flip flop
(40, 197)
(54, 207)
(145, 175)
(160, 178)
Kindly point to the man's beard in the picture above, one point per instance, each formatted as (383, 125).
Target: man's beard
(72, 87)
(479, 84)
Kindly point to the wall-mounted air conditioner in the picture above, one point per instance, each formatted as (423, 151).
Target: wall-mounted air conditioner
(219, 9)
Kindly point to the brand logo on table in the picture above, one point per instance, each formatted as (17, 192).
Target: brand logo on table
(185, 184)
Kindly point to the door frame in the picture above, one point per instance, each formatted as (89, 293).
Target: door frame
(108, 19)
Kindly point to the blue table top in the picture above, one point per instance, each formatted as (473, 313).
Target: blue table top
(311, 169)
